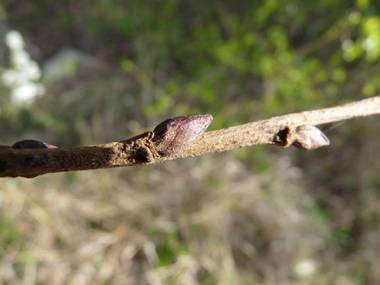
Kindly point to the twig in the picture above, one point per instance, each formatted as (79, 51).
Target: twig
(174, 138)
(265, 131)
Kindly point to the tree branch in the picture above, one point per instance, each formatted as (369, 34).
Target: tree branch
(178, 138)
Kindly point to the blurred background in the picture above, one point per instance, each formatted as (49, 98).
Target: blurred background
(89, 72)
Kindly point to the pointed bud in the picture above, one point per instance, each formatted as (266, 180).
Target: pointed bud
(176, 134)
(310, 137)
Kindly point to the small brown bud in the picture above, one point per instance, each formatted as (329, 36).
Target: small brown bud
(176, 134)
(28, 144)
(309, 137)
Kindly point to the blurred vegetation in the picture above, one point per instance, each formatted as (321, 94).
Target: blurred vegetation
(257, 215)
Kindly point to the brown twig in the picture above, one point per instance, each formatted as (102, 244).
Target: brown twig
(265, 131)
(174, 139)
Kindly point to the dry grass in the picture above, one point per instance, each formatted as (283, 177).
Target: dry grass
(196, 221)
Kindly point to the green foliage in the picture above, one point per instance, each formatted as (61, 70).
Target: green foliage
(170, 251)
(9, 235)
